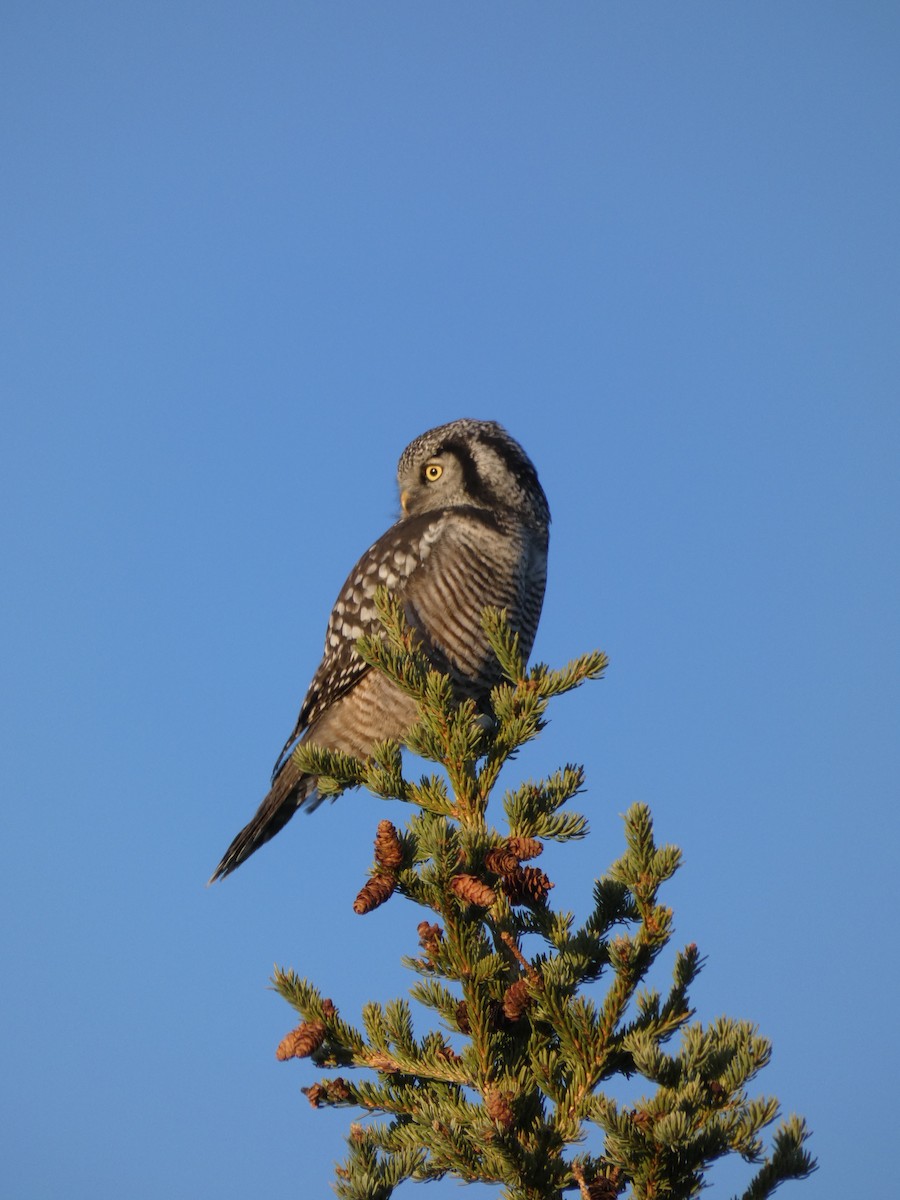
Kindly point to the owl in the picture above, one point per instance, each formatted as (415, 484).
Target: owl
(473, 532)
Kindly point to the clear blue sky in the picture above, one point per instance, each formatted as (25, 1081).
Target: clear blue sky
(249, 252)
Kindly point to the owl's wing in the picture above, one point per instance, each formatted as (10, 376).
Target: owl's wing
(398, 554)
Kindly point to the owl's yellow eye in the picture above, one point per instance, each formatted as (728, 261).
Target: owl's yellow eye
(432, 472)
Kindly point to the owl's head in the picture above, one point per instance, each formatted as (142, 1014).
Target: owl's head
(471, 463)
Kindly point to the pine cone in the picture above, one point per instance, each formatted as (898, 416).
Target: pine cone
(462, 1017)
(388, 848)
(499, 1108)
(302, 1041)
(329, 1091)
(529, 886)
(448, 1053)
(473, 891)
(605, 1187)
(525, 847)
(338, 1090)
(516, 1000)
(430, 938)
(501, 861)
(378, 889)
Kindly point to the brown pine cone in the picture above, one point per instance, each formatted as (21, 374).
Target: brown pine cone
(388, 848)
(525, 847)
(430, 938)
(462, 1017)
(606, 1187)
(329, 1091)
(529, 886)
(499, 1108)
(302, 1041)
(378, 889)
(516, 1000)
(473, 891)
(501, 861)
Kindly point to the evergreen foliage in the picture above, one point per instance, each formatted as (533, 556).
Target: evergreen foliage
(507, 1090)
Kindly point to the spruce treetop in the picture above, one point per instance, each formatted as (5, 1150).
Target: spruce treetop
(536, 1014)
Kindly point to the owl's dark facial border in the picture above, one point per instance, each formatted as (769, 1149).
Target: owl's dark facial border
(519, 464)
(477, 489)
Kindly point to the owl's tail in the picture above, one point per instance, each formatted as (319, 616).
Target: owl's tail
(290, 790)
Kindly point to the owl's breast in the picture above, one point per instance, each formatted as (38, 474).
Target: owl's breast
(477, 562)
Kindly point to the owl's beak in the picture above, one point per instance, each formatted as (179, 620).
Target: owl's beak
(404, 501)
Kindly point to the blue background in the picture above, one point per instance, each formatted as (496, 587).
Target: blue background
(249, 252)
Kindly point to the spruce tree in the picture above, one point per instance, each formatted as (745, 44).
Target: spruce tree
(537, 1014)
